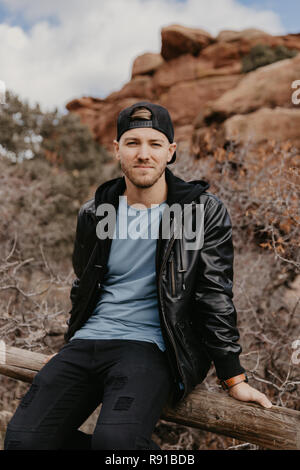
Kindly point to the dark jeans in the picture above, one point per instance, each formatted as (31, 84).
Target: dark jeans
(131, 379)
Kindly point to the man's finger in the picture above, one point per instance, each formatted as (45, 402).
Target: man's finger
(266, 403)
(263, 400)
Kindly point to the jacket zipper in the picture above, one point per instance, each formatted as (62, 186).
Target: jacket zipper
(165, 321)
(182, 270)
(173, 282)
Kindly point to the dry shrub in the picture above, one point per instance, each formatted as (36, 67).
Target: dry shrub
(262, 54)
(259, 187)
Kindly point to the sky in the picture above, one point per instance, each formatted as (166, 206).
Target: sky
(56, 50)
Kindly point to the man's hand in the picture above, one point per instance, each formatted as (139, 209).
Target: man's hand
(245, 392)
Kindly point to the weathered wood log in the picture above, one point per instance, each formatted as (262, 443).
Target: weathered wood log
(11, 356)
(25, 375)
(273, 428)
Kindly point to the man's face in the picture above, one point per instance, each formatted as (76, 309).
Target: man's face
(143, 154)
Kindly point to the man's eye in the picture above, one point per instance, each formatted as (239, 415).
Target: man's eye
(134, 143)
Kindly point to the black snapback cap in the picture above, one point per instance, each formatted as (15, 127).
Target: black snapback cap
(160, 120)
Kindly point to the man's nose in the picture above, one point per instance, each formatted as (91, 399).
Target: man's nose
(144, 151)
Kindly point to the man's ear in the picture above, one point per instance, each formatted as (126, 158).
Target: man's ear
(172, 148)
(116, 149)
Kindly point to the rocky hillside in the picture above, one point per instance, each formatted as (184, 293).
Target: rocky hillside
(238, 83)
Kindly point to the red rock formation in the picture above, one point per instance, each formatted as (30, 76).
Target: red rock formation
(267, 86)
(177, 40)
(264, 125)
(146, 64)
(199, 79)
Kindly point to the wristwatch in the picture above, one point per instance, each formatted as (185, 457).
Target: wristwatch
(227, 384)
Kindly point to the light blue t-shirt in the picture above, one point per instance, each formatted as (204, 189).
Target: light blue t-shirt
(128, 306)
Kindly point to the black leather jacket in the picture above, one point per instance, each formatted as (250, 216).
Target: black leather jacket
(194, 287)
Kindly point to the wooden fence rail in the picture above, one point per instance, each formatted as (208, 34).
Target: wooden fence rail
(273, 428)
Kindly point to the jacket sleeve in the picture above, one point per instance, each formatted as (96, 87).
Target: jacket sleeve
(77, 256)
(215, 314)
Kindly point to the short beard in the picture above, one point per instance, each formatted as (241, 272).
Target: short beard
(138, 184)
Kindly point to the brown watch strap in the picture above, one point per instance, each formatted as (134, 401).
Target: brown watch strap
(227, 384)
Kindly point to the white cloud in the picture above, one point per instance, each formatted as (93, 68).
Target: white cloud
(73, 48)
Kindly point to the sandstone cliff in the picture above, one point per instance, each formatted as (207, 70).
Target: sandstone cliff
(200, 79)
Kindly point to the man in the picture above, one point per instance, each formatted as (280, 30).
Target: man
(150, 309)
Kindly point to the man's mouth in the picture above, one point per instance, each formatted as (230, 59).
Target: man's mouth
(143, 166)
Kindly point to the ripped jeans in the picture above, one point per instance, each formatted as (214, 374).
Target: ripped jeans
(131, 379)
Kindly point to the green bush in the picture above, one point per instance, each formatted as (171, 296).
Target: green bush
(262, 54)
(49, 165)
(27, 133)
